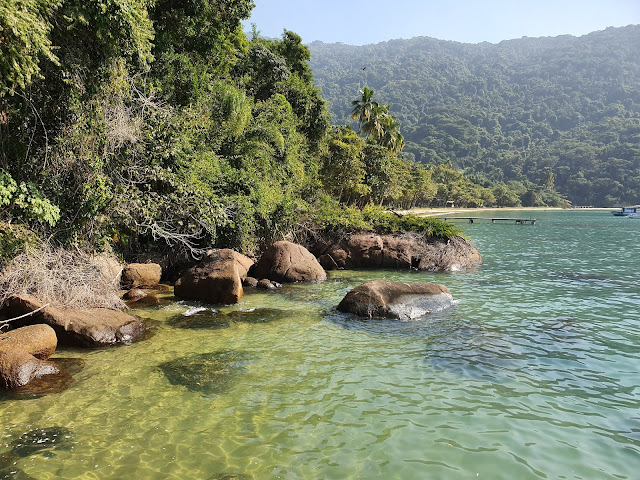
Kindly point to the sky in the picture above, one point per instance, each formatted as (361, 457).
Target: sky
(468, 21)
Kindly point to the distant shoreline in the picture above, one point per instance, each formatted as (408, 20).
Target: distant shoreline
(434, 212)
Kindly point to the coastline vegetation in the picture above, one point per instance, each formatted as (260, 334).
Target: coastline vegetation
(133, 126)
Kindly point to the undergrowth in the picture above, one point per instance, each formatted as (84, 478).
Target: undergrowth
(60, 277)
(328, 217)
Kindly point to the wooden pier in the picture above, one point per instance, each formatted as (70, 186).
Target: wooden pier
(517, 221)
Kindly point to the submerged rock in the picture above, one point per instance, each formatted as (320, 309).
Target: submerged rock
(208, 373)
(201, 319)
(49, 384)
(258, 315)
(215, 320)
(231, 476)
(404, 301)
(87, 327)
(42, 440)
(406, 251)
(12, 473)
(288, 262)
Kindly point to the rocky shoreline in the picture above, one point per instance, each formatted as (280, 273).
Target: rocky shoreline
(220, 278)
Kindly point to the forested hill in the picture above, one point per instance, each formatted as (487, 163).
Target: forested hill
(564, 110)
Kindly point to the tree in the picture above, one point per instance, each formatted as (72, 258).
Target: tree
(343, 168)
(24, 40)
(363, 108)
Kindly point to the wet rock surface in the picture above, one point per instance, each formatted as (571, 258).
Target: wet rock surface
(404, 301)
(208, 373)
(18, 368)
(86, 327)
(50, 384)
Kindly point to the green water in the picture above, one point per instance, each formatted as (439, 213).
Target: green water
(535, 373)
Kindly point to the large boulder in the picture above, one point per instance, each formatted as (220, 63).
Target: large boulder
(405, 251)
(243, 263)
(37, 340)
(404, 301)
(17, 368)
(287, 262)
(110, 268)
(88, 327)
(216, 279)
(141, 275)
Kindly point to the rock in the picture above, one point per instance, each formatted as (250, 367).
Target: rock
(37, 340)
(49, 384)
(87, 327)
(406, 251)
(288, 262)
(43, 439)
(404, 301)
(200, 319)
(146, 301)
(258, 315)
(141, 275)
(109, 267)
(250, 282)
(134, 294)
(216, 279)
(267, 284)
(327, 262)
(17, 368)
(243, 263)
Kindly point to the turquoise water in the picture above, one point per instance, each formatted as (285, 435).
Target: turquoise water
(535, 373)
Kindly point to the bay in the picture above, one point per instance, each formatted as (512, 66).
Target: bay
(533, 374)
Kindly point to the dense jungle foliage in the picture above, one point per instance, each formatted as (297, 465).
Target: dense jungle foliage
(142, 123)
(533, 115)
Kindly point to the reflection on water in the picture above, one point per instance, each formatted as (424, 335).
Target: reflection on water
(533, 374)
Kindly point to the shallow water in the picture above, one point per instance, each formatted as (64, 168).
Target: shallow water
(533, 374)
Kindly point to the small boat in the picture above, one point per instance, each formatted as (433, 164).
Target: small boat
(626, 211)
(635, 216)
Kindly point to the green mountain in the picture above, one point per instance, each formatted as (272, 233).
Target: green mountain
(562, 111)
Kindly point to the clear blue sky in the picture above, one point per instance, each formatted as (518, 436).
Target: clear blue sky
(470, 21)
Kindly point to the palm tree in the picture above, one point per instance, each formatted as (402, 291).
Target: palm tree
(363, 107)
(391, 137)
(375, 126)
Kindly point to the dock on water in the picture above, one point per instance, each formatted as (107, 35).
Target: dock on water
(517, 221)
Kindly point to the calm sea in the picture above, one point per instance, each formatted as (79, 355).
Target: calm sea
(535, 373)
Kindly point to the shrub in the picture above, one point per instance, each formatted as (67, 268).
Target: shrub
(60, 277)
